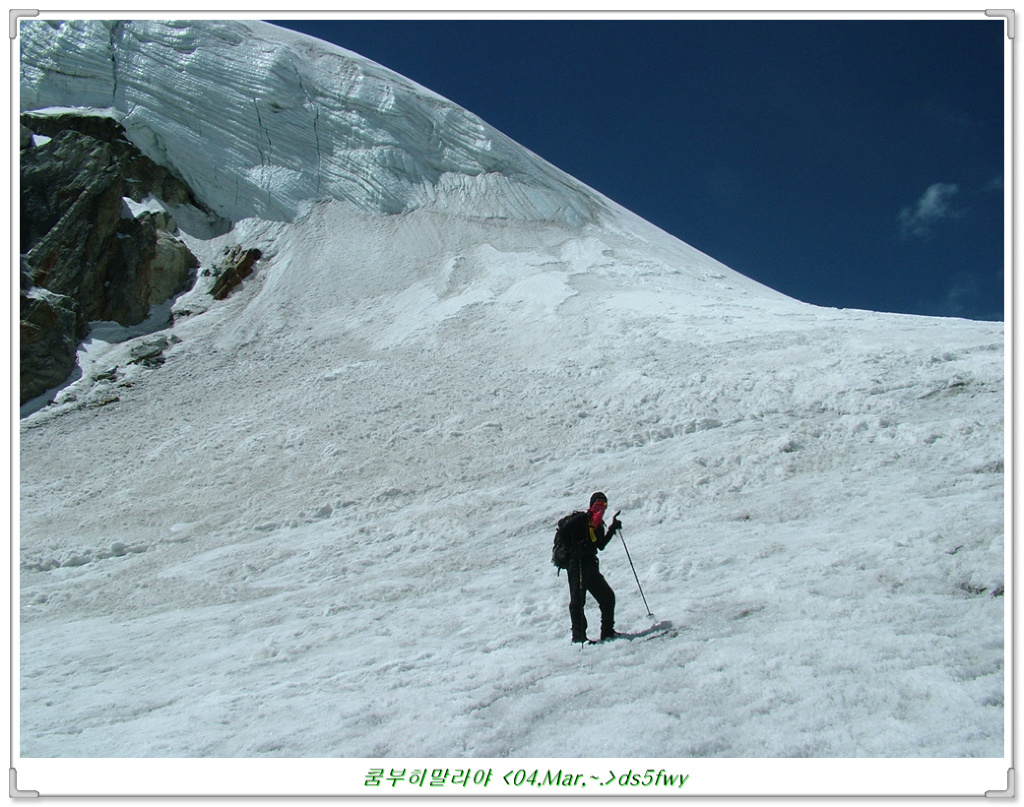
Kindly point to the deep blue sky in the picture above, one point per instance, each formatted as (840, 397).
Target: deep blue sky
(847, 163)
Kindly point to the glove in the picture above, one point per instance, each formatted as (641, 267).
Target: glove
(616, 525)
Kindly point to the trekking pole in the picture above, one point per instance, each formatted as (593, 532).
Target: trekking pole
(631, 566)
(583, 595)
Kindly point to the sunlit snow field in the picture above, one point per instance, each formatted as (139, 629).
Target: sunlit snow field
(323, 526)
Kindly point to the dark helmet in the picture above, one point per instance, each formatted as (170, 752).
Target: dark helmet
(598, 497)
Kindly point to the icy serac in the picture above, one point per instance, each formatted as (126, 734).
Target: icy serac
(261, 121)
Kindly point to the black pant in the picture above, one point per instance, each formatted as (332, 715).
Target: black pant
(585, 575)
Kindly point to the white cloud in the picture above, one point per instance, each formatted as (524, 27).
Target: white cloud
(918, 220)
(993, 186)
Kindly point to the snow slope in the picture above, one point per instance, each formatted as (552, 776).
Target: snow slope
(322, 527)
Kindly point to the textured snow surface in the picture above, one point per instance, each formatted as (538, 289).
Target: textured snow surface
(322, 527)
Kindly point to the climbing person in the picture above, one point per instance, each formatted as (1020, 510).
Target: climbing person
(585, 534)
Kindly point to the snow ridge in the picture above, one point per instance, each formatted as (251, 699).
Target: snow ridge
(278, 120)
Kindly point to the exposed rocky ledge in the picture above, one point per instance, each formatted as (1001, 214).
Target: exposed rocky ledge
(97, 239)
(235, 265)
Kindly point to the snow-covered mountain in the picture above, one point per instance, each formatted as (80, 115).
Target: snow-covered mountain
(281, 120)
(321, 526)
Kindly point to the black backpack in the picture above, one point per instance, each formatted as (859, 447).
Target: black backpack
(561, 550)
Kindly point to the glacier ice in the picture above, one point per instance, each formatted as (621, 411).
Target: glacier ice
(265, 121)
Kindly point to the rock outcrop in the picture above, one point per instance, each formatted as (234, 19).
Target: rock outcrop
(51, 327)
(97, 240)
(234, 266)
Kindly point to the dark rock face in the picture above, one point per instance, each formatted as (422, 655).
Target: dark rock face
(82, 244)
(235, 265)
(51, 328)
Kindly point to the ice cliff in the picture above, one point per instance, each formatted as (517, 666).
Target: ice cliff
(262, 125)
(260, 121)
